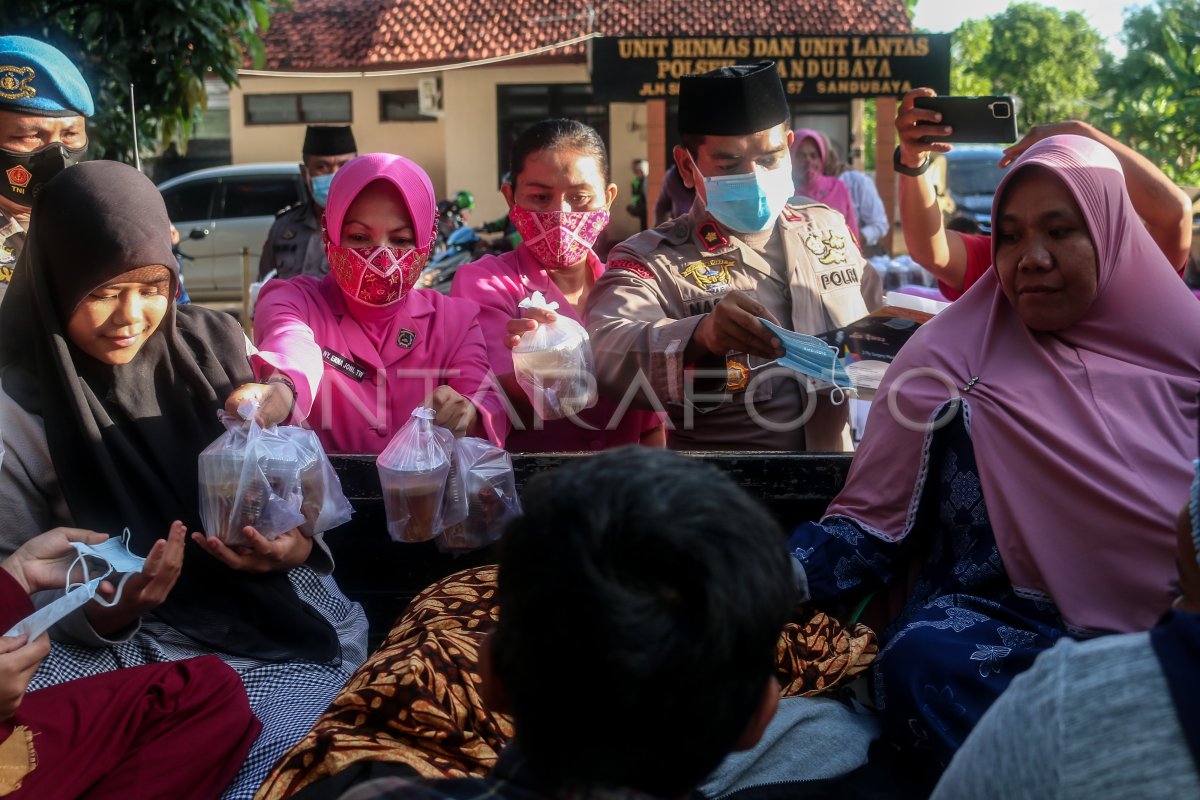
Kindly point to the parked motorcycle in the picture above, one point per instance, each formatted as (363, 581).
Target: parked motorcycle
(461, 247)
(452, 217)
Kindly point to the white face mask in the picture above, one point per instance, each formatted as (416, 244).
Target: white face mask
(115, 555)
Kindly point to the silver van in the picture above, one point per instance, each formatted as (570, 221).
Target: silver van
(220, 210)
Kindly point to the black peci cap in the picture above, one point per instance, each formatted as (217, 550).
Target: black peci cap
(733, 101)
(329, 140)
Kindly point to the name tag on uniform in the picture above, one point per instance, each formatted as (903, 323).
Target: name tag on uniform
(345, 365)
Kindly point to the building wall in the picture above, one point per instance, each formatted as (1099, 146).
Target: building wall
(472, 159)
(627, 132)
(423, 142)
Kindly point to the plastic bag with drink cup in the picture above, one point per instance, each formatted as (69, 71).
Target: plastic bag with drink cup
(322, 501)
(482, 492)
(249, 476)
(413, 470)
(553, 364)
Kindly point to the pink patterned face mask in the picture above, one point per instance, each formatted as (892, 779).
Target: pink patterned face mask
(377, 276)
(558, 239)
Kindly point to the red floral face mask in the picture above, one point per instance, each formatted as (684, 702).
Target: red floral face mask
(558, 239)
(377, 276)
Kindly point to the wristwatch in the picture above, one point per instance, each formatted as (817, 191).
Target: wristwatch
(904, 169)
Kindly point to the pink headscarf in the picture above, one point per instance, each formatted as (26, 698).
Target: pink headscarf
(407, 176)
(825, 189)
(1083, 436)
(379, 275)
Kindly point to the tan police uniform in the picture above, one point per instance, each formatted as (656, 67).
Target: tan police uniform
(294, 246)
(806, 271)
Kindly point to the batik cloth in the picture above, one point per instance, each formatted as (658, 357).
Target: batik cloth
(416, 701)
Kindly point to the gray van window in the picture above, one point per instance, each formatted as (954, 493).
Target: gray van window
(259, 196)
(190, 201)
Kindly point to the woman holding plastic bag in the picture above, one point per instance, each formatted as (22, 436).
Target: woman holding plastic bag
(360, 346)
(531, 299)
(110, 393)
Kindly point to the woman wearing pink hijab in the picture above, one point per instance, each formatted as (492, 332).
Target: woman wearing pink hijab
(558, 199)
(808, 172)
(360, 347)
(1025, 454)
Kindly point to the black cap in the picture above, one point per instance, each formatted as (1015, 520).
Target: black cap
(733, 101)
(329, 140)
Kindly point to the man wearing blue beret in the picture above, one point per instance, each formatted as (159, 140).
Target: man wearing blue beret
(43, 106)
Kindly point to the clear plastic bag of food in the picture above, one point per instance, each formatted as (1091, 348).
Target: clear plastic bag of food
(553, 364)
(322, 502)
(482, 492)
(413, 470)
(249, 476)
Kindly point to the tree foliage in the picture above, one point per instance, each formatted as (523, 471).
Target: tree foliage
(1047, 58)
(164, 48)
(1153, 102)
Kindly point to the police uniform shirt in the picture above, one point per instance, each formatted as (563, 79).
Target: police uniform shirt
(12, 238)
(659, 284)
(294, 245)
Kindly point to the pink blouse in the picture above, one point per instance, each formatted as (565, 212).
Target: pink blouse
(360, 372)
(498, 284)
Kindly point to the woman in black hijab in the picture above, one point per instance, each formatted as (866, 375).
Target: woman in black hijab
(110, 392)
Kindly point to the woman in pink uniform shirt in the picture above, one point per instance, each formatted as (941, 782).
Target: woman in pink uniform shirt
(360, 346)
(558, 200)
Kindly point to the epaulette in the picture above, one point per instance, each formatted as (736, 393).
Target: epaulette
(286, 209)
(796, 212)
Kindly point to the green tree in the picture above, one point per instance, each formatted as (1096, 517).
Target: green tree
(1049, 59)
(1154, 91)
(164, 48)
(969, 46)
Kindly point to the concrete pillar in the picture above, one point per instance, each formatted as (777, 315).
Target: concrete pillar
(885, 174)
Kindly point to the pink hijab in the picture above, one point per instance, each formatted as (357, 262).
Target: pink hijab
(825, 189)
(407, 176)
(380, 324)
(1083, 436)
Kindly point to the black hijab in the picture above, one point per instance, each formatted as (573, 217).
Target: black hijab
(124, 440)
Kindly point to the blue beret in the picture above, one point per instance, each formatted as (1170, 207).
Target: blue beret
(38, 79)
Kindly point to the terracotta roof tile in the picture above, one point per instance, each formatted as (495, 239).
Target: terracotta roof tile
(376, 34)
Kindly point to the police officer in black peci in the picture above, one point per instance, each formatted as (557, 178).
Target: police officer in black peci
(294, 245)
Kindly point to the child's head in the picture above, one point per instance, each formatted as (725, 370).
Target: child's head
(642, 594)
(103, 238)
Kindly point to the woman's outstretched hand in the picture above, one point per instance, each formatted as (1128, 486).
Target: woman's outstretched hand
(144, 590)
(288, 549)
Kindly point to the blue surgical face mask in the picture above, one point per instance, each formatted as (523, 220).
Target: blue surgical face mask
(811, 356)
(320, 188)
(114, 553)
(750, 203)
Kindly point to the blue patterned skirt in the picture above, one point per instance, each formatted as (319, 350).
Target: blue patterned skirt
(964, 633)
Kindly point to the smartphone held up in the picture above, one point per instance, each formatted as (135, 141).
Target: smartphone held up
(973, 119)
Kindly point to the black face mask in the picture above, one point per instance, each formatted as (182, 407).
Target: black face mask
(22, 175)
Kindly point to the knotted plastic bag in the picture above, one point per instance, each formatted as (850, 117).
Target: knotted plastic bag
(249, 476)
(322, 502)
(553, 364)
(482, 492)
(413, 469)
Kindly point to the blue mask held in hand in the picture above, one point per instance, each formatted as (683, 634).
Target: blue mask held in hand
(749, 203)
(114, 553)
(320, 188)
(810, 356)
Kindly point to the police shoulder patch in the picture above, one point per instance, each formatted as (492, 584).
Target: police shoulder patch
(629, 265)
